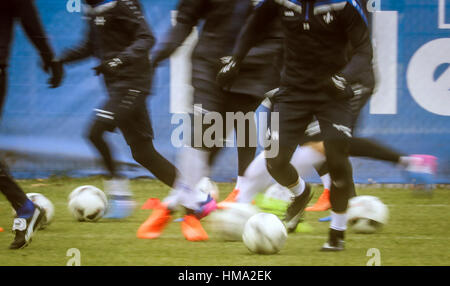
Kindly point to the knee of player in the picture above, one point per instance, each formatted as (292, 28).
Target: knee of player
(337, 148)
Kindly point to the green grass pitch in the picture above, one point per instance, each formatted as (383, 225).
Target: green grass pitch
(418, 233)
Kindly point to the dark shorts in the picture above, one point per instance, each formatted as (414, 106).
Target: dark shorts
(126, 109)
(209, 99)
(334, 118)
(213, 98)
(254, 79)
(357, 103)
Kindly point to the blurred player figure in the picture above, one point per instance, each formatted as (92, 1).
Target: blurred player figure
(316, 81)
(119, 36)
(312, 152)
(222, 21)
(362, 147)
(29, 216)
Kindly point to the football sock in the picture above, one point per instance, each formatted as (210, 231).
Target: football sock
(118, 187)
(298, 188)
(338, 221)
(26, 210)
(326, 181)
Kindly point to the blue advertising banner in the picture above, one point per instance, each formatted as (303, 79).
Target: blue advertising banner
(42, 130)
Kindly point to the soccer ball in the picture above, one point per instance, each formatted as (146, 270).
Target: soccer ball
(207, 186)
(264, 233)
(45, 204)
(229, 222)
(367, 214)
(87, 203)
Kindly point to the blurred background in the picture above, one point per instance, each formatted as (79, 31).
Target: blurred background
(41, 133)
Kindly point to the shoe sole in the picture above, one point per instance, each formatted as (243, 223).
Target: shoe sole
(292, 224)
(331, 249)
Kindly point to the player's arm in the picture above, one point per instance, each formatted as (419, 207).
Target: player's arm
(82, 51)
(134, 22)
(253, 30)
(189, 13)
(29, 17)
(358, 33)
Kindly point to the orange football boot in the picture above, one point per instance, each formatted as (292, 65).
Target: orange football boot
(322, 204)
(192, 229)
(154, 225)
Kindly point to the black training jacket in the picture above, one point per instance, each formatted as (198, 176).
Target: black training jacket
(117, 29)
(219, 23)
(321, 38)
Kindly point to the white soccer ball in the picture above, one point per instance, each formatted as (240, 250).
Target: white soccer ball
(229, 222)
(367, 214)
(207, 186)
(87, 203)
(264, 233)
(44, 203)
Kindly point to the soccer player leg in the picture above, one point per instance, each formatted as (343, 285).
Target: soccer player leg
(107, 119)
(28, 216)
(193, 161)
(138, 132)
(103, 122)
(10, 189)
(335, 122)
(243, 107)
(293, 120)
(362, 147)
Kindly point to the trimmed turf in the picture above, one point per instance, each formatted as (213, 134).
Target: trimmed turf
(418, 233)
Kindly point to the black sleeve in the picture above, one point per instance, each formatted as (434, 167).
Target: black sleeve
(356, 28)
(82, 51)
(255, 28)
(135, 22)
(29, 17)
(189, 13)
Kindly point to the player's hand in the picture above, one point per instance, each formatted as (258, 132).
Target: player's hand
(342, 89)
(56, 71)
(109, 67)
(228, 72)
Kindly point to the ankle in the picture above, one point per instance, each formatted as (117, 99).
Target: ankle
(26, 210)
